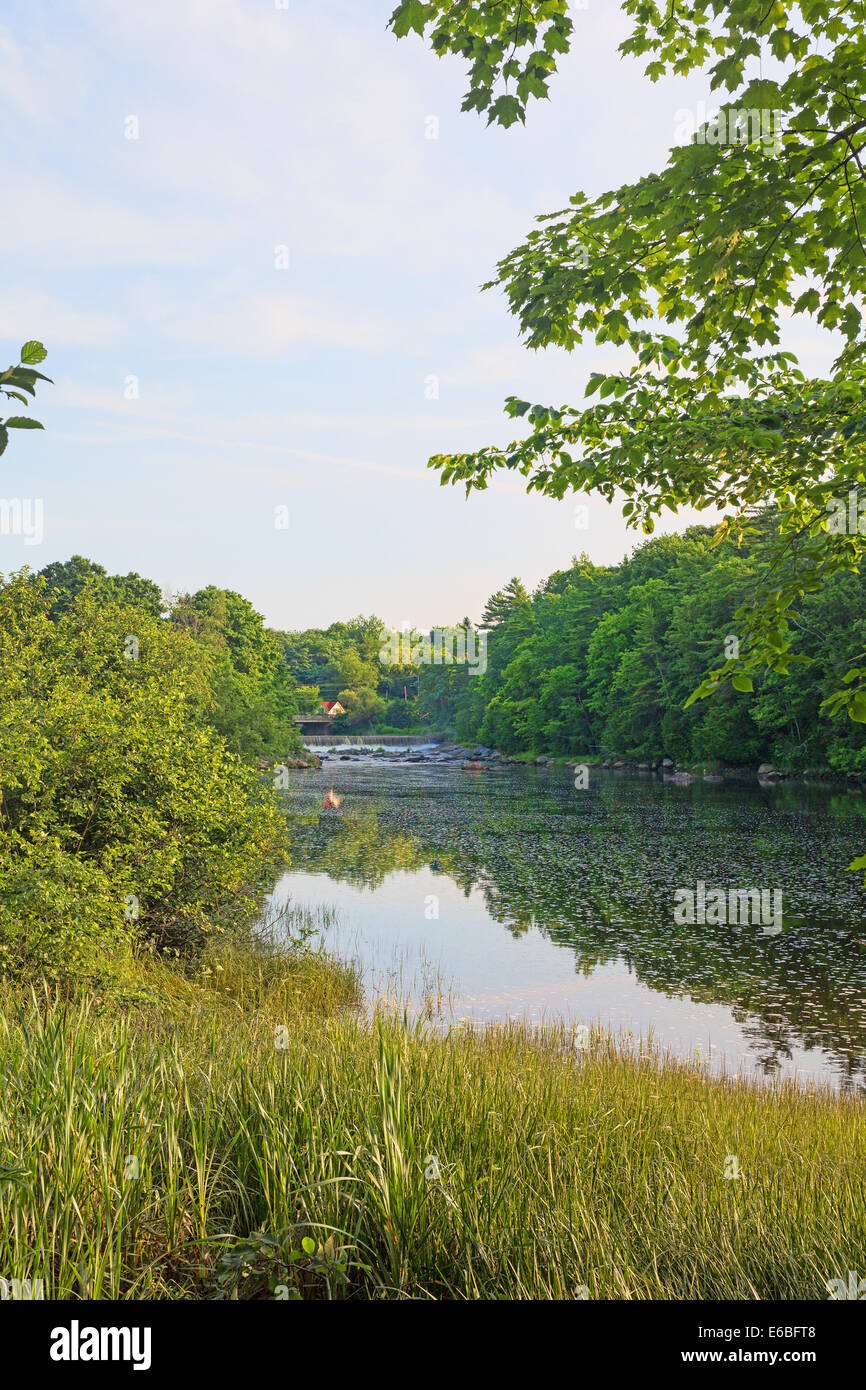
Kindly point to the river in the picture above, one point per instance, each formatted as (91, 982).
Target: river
(509, 892)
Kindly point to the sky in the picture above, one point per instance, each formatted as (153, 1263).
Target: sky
(252, 235)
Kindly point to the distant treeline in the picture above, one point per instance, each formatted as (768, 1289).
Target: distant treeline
(251, 697)
(602, 660)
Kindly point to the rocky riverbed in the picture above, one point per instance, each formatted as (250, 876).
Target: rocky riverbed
(477, 757)
(431, 753)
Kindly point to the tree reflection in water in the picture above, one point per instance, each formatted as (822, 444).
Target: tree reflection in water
(596, 871)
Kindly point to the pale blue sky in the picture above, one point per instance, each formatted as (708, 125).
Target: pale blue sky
(303, 387)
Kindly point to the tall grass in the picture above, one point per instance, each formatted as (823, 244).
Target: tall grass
(248, 1134)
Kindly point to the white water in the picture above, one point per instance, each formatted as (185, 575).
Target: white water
(397, 742)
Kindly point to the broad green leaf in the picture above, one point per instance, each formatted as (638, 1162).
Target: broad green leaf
(33, 352)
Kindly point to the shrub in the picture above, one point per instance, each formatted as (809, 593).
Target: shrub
(124, 817)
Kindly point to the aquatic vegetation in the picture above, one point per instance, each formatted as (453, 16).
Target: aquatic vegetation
(597, 871)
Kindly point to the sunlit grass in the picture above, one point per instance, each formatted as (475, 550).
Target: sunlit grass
(249, 1133)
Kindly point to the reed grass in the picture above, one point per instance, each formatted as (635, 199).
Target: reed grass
(248, 1133)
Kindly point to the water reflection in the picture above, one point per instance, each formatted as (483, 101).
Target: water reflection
(567, 900)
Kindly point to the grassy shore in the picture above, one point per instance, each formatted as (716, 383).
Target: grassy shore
(248, 1134)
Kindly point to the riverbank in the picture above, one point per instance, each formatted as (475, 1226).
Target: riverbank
(245, 1133)
(478, 756)
(712, 771)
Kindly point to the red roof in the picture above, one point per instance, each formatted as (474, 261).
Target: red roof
(329, 705)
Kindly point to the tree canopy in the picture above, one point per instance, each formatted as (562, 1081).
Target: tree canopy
(694, 272)
(126, 818)
(599, 662)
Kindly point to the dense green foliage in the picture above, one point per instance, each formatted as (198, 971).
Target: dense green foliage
(182, 1152)
(251, 696)
(492, 35)
(125, 817)
(687, 277)
(602, 661)
(342, 662)
(599, 661)
(66, 579)
(253, 692)
(336, 658)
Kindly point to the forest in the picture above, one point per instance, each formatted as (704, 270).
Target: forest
(598, 661)
(602, 661)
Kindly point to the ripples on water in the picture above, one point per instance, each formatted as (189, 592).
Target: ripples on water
(558, 902)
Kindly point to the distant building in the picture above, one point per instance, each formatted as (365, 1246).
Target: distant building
(332, 707)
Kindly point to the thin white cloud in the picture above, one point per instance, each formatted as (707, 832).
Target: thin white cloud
(38, 315)
(270, 323)
(56, 221)
(154, 401)
(505, 363)
(381, 426)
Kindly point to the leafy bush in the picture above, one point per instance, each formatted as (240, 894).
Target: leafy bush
(125, 818)
(253, 693)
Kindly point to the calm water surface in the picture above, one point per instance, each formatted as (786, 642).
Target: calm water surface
(554, 902)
